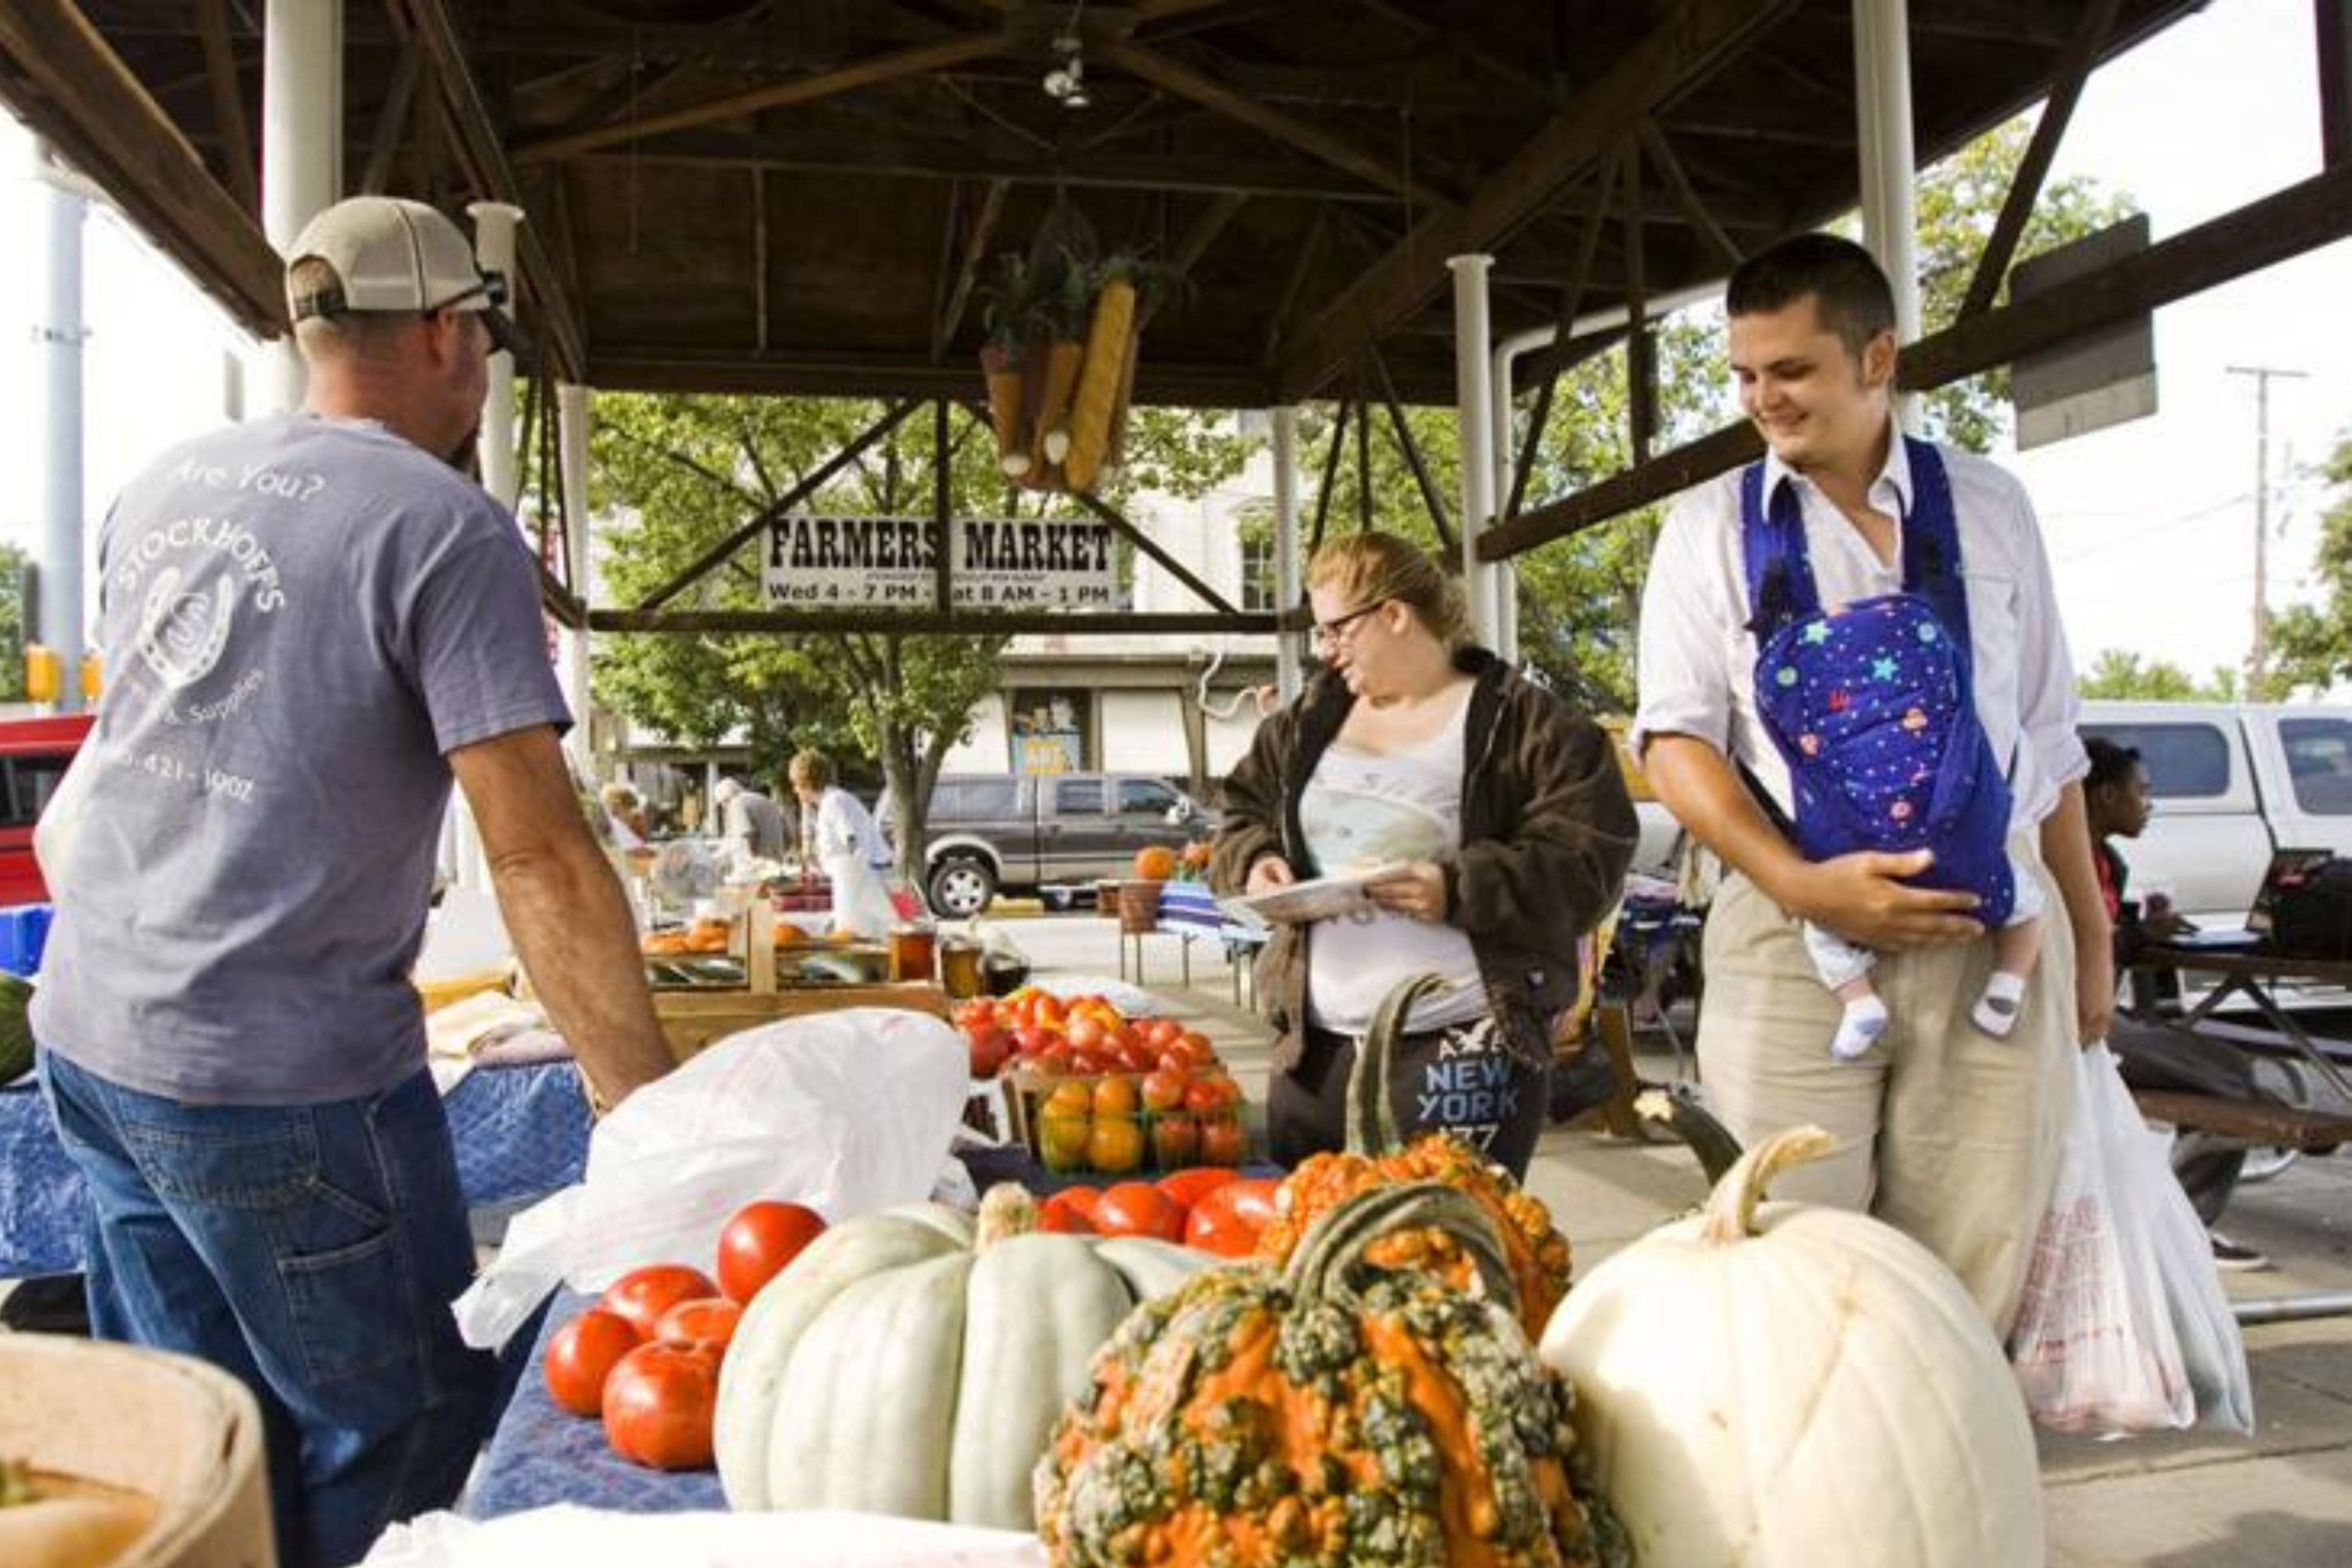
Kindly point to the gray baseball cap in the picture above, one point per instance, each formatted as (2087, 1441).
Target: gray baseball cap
(390, 255)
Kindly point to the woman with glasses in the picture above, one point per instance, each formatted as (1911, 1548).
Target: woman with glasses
(1500, 827)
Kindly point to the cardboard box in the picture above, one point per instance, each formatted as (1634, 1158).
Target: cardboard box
(184, 1433)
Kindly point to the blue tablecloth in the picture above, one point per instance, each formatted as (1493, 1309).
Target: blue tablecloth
(521, 1132)
(541, 1454)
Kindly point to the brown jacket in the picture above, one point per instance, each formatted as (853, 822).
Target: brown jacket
(1547, 833)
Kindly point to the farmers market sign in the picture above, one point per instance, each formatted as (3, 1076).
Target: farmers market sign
(890, 563)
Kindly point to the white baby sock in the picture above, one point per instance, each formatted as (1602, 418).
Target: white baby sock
(1996, 1011)
(1864, 1021)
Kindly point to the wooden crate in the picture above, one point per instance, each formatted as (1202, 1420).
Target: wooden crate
(691, 1019)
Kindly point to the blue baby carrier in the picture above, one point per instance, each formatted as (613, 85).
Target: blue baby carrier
(1871, 705)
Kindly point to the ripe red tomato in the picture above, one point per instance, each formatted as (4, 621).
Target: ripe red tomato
(658, 1406)
(1196, 1046)
(1139, 1208)
(1228, 1220)
(1163, 1090)
(707, 1324)
(1223, 1140)
(1189, 1186)
(582, 1354)
(1086, 1032)
(989, 1047)
(759, 1241)
(1162, 1032)
(642, 1295)
(1069, 1212)
(1034, 1042)
(1175, 1142)
(1205, 1094)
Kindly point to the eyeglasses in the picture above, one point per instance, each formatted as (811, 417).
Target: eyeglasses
(1332, 633)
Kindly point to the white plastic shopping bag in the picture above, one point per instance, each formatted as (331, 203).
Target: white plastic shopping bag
(2123, 1327)
(847, 1111)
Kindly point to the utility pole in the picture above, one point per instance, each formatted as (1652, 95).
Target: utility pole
(2258, 659)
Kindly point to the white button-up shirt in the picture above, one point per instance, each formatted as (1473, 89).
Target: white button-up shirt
(1697, 668)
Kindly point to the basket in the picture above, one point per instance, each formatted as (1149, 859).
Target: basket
(1107, 900)
(1138, 907)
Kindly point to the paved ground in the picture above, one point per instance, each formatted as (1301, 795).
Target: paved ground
(2283, 1499)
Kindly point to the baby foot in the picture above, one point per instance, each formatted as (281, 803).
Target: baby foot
(1996, 1011)
(1865, 1021)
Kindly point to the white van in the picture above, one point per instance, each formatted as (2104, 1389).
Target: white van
(2232, 782)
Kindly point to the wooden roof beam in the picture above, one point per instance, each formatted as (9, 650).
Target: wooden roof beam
(228, 104)
(930, 622)
(79, 95)
(1695, 39)
(1172, 75)
(1687, 194)
(990, 158)
(894, 65)
(975, 251)
(2025, 186)
(2278, 227)
(482, 148)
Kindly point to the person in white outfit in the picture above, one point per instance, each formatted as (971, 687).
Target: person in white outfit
(847, 846)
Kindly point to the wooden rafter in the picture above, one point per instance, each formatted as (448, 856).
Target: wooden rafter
(702, 564)
(480, 149)
(1678, 181)
(1694, 39)
(932, 623)
(1172, 75)
(2332, 22)
(88, 103)
(2278, 227)
(1430, 497)
(893, 65)
(1202, 234)
(2025, 186)
(975, 251)
(1571, 300)
(1137, 537)
(392, 123)
(228, 104)
(1641, 350)
(1277, 320)
(1496, 64)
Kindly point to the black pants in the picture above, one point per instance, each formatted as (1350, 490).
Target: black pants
(1462, 1080)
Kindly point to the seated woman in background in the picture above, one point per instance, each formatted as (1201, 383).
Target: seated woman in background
(1505, 823)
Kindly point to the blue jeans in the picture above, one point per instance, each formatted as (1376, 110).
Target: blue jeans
(311, 1250)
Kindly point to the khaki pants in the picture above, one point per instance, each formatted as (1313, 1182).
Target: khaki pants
(1943, 1131)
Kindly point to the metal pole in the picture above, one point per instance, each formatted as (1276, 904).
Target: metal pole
(1881, 70)
(1473, 415)
(59, 334)
(2258, 657)
(2293, 1309)
(572, 411)
(1288, 676)
(301, 147)
(494, 248)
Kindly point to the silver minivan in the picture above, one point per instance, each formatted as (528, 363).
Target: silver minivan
(1021, 831)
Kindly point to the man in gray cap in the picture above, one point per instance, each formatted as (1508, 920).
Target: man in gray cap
(313, 623)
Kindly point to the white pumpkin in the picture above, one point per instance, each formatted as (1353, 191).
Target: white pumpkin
(1796, 1387)
(909, 1363)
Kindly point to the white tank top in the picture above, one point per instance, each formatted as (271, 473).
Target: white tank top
(1359, 809)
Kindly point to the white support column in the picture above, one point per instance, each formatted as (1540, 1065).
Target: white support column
(494, 251)
(301, 147)
(1473, 414)
(572, 407)
(59, 335)
(1882, 69)
(1506, 459)
(1287, 675)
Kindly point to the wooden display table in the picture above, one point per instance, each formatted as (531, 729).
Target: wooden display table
(693, 1016)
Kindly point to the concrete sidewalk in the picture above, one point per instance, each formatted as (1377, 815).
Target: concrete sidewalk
(2282, 1499)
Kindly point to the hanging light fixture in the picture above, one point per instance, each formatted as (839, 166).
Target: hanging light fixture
(1065, 83)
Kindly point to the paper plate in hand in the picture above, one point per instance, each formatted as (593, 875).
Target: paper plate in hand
(1322, 899)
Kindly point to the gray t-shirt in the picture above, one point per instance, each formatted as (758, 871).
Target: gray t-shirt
(300, 618)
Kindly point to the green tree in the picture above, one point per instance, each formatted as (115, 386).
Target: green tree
(2122, 675)
(2311, 645)
(677, 474)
